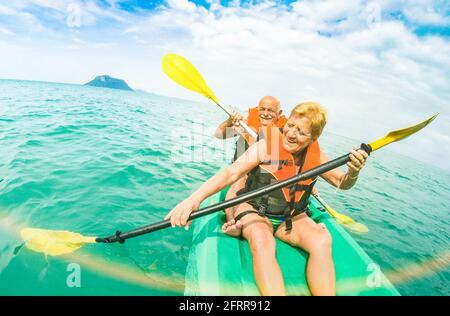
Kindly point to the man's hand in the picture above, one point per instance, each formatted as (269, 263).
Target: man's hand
(230, 127)
(234, 118)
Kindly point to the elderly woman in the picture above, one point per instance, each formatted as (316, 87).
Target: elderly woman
(280, 154)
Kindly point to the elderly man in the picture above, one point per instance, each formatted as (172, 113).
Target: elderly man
(267, 112)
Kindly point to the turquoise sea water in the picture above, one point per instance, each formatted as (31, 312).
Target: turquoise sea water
(95, 160)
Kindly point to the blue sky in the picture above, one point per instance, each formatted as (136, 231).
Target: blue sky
(423, 17)
(387, 60)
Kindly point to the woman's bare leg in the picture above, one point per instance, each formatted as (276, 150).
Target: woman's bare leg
(231, 227)
(316, 240)
(258, 232)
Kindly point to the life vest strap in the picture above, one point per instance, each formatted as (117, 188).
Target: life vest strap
(240, 215)
(262, 213)
(301, 205)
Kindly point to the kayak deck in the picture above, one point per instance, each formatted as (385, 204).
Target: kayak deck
(222, 265)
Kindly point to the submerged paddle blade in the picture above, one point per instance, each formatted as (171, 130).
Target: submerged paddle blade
(184, 73)
(343, 219)
(348, 222)
(53, 243)
(353, 226)
(400, 134)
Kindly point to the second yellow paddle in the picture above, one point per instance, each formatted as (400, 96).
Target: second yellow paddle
(184, 73)
(342, 219)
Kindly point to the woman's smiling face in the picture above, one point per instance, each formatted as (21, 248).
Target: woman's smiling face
(297, 134)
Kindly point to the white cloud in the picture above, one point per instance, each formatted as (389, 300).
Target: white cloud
(426, 17)
(326, 10)
(427, 13)
(21, 18)
(119, 16)
(183, 5)
(49, 4)
(5, 31)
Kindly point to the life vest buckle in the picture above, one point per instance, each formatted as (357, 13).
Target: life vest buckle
(262, 210)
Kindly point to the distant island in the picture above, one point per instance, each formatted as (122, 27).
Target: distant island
(106, 81)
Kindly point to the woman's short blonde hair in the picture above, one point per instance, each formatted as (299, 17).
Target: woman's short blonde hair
(315, 112)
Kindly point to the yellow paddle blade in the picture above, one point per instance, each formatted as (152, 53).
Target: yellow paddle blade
(184, 73)
(353, 226)
(347, 222)
(342, 218)
(53, 243)
(400, 134)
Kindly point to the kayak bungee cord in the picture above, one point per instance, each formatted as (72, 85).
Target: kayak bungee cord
(55, 243)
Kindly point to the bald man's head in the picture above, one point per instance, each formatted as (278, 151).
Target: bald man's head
(269, 101)
(269, 110)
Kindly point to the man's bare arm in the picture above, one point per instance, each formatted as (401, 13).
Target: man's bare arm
(230, 127)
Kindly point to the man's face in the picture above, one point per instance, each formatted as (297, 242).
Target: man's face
(269, 111)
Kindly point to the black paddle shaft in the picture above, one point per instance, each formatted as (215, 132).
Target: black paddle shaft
(332, 164)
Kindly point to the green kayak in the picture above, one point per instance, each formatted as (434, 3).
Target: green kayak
(222, 265)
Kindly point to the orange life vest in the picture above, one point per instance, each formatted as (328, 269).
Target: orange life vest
(254, 122)
(280, 165)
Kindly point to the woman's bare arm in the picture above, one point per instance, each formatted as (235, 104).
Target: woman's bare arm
(244, 164)
(342, 180)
